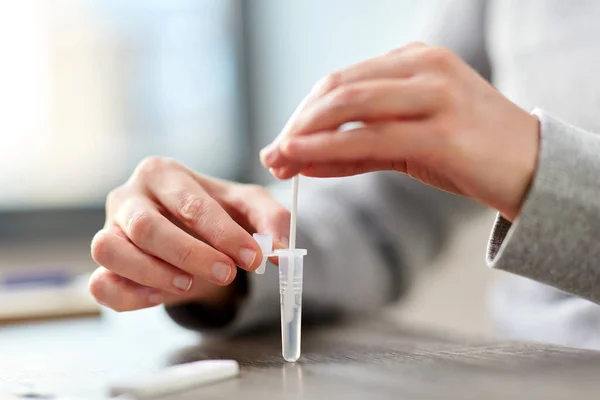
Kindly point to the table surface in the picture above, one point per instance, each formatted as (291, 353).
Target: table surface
(367, 359)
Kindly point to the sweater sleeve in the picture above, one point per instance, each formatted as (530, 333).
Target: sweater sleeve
(555, 239)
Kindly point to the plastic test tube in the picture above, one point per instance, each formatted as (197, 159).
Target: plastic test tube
(291, 265)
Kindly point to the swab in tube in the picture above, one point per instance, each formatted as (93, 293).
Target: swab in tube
(291, 265)
(291, 260)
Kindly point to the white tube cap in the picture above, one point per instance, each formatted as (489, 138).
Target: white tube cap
(266, 246)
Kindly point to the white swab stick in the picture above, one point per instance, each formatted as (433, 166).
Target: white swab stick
(294, 215)
(289, 292)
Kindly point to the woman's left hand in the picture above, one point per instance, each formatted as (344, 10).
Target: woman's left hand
(421, 111)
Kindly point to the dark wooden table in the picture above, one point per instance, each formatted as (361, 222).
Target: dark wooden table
(362, 360)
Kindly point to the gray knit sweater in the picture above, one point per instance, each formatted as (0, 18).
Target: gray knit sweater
(368, 235)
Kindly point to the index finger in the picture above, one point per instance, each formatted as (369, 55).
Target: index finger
(177, 191)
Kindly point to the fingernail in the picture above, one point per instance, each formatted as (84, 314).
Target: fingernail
(247, 256)
(221, 271)
(183, 282)
(155, 298)
(284, 240)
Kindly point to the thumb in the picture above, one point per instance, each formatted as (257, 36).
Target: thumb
(264, 214)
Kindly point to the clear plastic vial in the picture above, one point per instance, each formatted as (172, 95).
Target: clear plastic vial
(291, 265)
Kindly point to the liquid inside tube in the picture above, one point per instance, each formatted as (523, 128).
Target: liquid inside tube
(290, 331)
(290, 289)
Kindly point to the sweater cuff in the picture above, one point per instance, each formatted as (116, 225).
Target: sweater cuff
(554, 241)
(256, 307)
(500, 230)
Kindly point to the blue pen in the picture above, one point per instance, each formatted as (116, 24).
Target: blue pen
(36, 278)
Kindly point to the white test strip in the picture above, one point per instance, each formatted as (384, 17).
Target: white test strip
(178, 378)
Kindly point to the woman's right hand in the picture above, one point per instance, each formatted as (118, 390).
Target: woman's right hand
(172, 235)
(422, 111)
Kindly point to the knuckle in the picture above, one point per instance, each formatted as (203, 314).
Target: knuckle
(217, 234)
(441, 92)
(102, 247)
(185, 255)
(328, 83)
(439, 57)
(192, 209)
(139, 226)
(149, 166)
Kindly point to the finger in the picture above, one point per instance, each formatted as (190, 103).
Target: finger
(338, 170)
(155, 235)
(376, 142)
(400, 63)
(121, 294)
(366, 101)
(262, 212)
(287, 171)
(187, 201)
(203, 291)
(112, 249)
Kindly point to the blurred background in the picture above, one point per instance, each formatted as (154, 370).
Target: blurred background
(91, 87)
